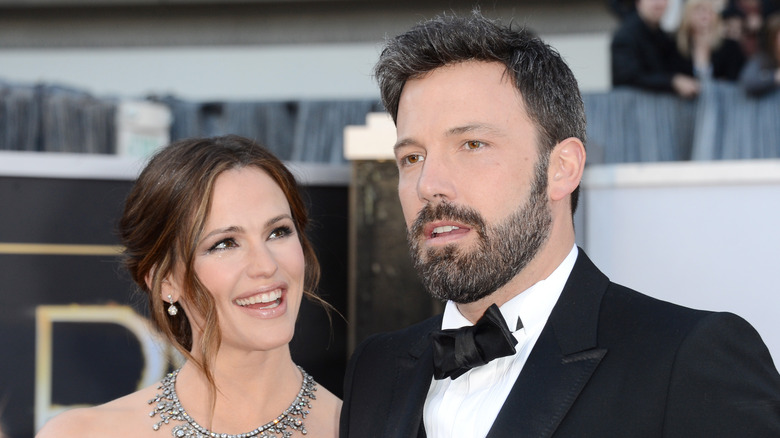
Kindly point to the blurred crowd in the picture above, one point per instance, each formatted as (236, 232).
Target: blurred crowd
(726, 40)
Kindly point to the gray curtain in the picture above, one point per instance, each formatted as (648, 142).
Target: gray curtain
(310, 131)
(627, 125)
(55, 119)
(624, 125)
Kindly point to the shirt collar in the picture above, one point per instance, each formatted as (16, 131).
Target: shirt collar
(532, 305)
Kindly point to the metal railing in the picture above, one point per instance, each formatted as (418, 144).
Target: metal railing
(624, 125)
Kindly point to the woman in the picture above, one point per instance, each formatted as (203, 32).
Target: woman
(762, 72)
(701, 42)
(214, 235)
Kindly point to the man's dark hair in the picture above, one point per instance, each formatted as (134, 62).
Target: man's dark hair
(546, 84)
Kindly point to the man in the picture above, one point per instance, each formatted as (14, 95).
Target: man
(644, 56)
(490, 153)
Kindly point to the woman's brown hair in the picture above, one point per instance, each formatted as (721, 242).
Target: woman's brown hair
(164, 216)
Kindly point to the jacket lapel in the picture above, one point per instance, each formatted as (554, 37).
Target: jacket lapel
(415, 372)
(562, 361)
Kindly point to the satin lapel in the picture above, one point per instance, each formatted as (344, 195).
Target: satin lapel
(545, 390)
(415, 372)
(562, 361)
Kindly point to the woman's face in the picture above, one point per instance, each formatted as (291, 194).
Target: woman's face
(703, 16)
(250, 258)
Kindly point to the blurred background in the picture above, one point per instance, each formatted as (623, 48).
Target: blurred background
(680, 196)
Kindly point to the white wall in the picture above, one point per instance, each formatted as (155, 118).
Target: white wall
(327, 71)
(704, 235)
(202, 73)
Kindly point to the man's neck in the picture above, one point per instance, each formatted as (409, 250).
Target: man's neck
(545, 263)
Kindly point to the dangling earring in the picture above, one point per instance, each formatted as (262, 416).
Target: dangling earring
(172, 309)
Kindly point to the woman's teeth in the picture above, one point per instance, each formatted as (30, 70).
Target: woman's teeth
(268, 297)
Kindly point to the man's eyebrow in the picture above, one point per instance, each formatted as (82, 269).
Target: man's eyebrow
(404, 142)
(458, 130)
(470, 128)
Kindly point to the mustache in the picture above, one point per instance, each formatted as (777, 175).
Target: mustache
(446, 211)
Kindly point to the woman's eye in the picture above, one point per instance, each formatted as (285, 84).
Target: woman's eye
(223, 244)
(412, 159)
(474, 144)
(280, 232)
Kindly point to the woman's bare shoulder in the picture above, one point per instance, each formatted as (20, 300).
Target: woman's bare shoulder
(71, 423)
(323, 421)
(125, 416)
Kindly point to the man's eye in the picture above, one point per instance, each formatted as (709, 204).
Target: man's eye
(223, 244)
(474, 144)
(412, 159)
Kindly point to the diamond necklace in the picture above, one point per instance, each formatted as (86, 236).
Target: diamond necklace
(169, 407)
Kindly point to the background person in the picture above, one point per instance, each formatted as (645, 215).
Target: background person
(644, 56)
(534, 339)
(703, 46)
(761, 74)
(753, 13)
(214, 236)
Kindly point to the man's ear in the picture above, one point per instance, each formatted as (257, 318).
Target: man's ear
(567, 163)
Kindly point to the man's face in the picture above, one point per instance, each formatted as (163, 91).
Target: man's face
(652, 11)
(471, 186)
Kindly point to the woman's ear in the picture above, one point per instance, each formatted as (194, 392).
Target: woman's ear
(169, 286)
(567, 163)
(169, 292)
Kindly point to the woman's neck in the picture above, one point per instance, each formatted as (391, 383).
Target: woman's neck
(251, 389)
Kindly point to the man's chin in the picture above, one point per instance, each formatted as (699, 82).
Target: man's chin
(432, 251)
(462, 298)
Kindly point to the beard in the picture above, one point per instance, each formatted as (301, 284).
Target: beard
(503, 250)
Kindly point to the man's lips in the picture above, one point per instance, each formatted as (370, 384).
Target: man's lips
(437, 230)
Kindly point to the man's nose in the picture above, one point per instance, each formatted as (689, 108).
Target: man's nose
(436, 181)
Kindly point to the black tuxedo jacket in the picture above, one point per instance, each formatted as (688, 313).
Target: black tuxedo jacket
(610, 362)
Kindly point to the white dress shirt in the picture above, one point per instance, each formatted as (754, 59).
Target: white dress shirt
(468, 405)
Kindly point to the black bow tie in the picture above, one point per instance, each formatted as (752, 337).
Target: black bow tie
(456, 351)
